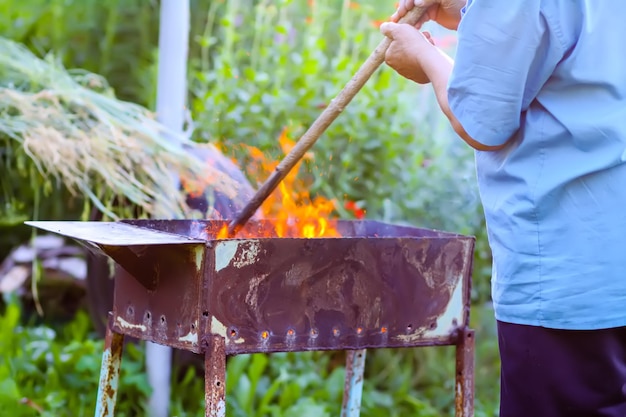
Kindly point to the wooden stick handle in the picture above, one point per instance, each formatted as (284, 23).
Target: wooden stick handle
(320, 125)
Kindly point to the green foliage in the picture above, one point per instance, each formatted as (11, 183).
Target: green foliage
(114, 38)
(277, 64)
(53, 370)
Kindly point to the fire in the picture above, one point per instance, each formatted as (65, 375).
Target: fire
(290, 209)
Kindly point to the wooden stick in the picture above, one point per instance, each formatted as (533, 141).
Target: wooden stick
(320, 125)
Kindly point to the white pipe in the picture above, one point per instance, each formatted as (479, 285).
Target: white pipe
(170, 110)
(172, 70)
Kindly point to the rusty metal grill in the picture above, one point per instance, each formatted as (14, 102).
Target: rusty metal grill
(376, 286)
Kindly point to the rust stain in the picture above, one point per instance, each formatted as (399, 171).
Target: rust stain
(252, 296)
(464, 395)
(215, 377)
(247, 254)
(338, 286)
(109, 373)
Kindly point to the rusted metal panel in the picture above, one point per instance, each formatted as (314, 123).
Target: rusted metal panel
(316, 294)
(109, 374)
(169, 312)
(464, 398)
(353, 388)
(379, 285)
(215, 376)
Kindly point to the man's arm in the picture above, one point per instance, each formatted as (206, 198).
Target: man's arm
(414, 57)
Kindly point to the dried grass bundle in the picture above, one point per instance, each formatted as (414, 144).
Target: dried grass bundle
(73, 129)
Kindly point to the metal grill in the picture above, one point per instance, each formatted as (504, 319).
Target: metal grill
(376, 286)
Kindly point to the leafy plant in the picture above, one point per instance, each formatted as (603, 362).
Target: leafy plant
(52, 369)
(47, 371)
(116, 39)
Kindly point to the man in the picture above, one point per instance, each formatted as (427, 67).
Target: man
(539, 90)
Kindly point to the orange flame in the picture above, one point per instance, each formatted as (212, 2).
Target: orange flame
(290, 208)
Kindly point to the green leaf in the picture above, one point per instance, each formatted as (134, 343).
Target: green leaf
(306, 407)
(9, 391)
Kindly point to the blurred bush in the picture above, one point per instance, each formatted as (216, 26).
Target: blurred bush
(53, 372)
(115, 38)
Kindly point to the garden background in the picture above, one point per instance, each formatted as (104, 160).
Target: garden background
(256, 69)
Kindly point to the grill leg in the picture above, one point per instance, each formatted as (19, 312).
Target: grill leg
(464, 397)
(353, 388)
(215, 377)
(109, 373)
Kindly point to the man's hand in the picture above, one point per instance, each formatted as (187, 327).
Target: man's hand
(445, 12)
(406, 50)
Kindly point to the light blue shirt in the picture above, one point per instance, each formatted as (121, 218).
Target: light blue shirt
(548, 78)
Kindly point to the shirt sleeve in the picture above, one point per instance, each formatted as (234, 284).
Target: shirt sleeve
(506, 52)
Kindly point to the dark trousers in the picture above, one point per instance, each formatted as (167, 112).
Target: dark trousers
(562, 373)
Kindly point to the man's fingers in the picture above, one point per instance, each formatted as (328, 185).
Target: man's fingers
(398, 31)
(399, 13)
(403, 7)
(406, 5)
(388, 29)
(431, 7)
(424, 3)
